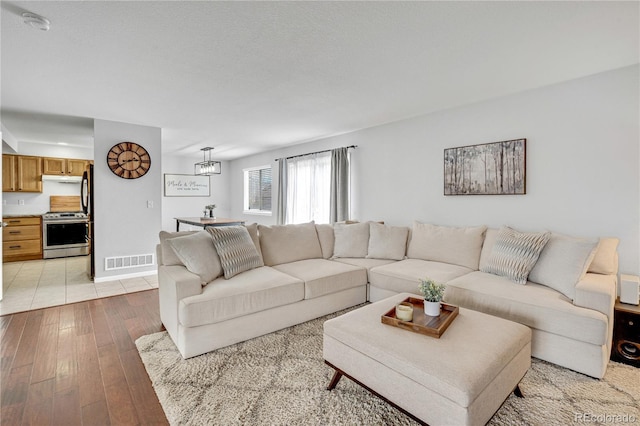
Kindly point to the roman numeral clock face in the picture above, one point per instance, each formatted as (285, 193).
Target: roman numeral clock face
(128, 160)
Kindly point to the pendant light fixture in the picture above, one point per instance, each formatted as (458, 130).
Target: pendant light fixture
(207, 167)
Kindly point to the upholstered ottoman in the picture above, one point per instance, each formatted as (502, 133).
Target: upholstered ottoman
(462, 378)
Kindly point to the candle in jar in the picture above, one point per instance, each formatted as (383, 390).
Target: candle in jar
(404, 311)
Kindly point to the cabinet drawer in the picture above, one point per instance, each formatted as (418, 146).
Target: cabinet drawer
(17, 248)
(16, 233)
(20, 221)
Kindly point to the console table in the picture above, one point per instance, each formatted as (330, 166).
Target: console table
(206, 222)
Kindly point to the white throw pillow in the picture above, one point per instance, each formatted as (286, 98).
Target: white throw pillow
(235, 248)
(515, 253)
(605, 260)
(169, 256)
(563, 262)
(458, 246)
(387, 242)
(327, 239)
(198, 254)
(351, 240)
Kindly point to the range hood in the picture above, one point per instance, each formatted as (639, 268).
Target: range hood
(62, 178)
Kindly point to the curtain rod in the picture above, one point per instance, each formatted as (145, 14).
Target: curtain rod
(317, 152)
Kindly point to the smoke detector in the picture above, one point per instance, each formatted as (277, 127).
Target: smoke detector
(36, 21)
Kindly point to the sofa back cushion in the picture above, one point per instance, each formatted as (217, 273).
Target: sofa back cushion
(457, 246)
(198, 254)
(605, 260)
(351, 240)
(514, 254)
(563, 262)
(253, 233)
(289, 243)
(327, 239)
(489, 240)
(169, 256)
(235, 248)
(387, 242)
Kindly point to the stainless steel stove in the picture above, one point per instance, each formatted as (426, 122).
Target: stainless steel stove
(65, 234)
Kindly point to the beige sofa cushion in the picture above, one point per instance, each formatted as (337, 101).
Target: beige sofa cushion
(323, 276)
(405, 275)
(563, 262)
(252, 291)
(235, 248)
(289, 243)
(253, 233)
(458, 246)
(606, 259)
(198, 254)
(533, 305)
(514, 254)
(326, 238)
(368, 264)
(351, 240)
(387, 242)
(169, 256)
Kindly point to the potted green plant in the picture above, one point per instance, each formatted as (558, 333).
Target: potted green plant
(433, 293)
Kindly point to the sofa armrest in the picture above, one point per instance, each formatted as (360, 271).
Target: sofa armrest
(175, 283)
(598, 292)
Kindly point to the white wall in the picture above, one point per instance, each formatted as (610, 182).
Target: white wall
(583, 159)
(173, 207)
(124, 225)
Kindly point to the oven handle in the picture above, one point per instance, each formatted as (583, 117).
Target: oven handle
(58, 222)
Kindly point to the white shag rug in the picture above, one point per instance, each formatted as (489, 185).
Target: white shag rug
(281, 379)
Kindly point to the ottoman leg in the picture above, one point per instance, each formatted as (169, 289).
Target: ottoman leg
(517, 392)
(335, 379)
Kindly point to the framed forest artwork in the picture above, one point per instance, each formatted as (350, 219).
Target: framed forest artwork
(497, 168)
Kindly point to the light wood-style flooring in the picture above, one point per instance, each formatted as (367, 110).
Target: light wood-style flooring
(77, 364)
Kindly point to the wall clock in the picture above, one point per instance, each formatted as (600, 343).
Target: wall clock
(128, 160)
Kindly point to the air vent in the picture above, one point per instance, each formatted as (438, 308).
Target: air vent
(125, 262)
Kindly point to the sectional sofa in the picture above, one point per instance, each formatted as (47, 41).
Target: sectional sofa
(226, 285)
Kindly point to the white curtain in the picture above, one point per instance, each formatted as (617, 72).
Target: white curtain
(309, 188)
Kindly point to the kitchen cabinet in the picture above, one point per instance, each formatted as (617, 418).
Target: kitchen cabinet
(21, 173)
(63, 166)
(21, 238)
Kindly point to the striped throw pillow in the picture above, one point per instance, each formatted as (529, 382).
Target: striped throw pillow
(236, 249)
(514, 254)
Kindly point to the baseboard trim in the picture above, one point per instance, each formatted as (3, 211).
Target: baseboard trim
(124, 276)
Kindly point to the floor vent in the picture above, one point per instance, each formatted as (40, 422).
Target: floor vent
(124, 262)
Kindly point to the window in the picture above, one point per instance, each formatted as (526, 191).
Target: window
(257, 190)
(309, 190)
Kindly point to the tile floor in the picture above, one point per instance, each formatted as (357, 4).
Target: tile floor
(38, 284)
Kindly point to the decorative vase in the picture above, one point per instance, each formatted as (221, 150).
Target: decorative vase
(211, 214)
(432, 308)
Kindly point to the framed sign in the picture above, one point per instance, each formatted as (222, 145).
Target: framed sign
(186, 186)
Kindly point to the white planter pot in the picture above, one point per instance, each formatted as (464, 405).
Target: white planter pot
(432, 308)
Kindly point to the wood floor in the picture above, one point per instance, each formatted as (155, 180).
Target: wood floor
(78, 365)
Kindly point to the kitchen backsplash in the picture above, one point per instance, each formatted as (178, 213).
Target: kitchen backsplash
(35, 202)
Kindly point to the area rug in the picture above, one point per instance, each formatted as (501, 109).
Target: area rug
(281, 379)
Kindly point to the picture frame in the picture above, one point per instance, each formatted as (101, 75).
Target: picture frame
(496, 168)
(177, 185)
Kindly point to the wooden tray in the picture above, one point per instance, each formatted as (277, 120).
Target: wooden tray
(423, 324)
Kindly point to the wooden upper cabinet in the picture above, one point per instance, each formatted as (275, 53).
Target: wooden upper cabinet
(9, 174)
(76, 167)
(63, 166)
(21, 173)
(29, 174)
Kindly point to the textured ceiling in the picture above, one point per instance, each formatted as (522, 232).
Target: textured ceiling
(250, 76)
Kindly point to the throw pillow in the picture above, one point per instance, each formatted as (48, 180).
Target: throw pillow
(387, 242)
(515, 253)
(289, 243)
(563, 263)
(253, 233)
(351, 240)
(235, 248)
(605, 260)
(197, 253)
(458, 246)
